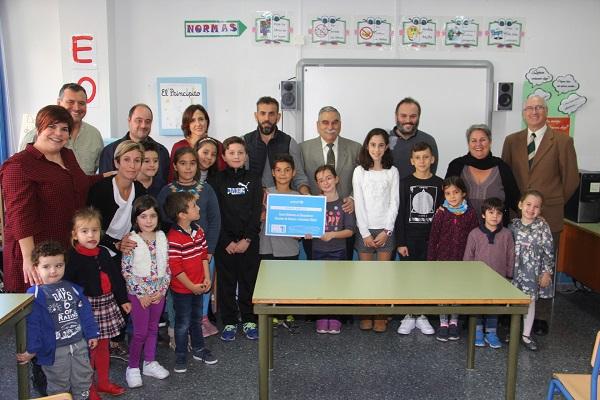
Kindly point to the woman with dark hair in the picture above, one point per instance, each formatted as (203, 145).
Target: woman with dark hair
(485, 175)
(42, 187)
(194, 124)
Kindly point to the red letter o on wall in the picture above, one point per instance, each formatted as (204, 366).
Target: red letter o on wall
(92, 94)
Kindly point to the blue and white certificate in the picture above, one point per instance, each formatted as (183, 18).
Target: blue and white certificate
(295, 215)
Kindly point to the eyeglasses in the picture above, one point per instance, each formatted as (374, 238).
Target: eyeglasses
(534, 108)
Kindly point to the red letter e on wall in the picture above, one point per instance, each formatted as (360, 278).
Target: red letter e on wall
(76, 48)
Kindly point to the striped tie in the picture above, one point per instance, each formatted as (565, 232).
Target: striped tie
(330, 155)
(531, 149)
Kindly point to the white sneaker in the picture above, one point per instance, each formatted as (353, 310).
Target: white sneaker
(424, 325)
(133, 377)
(407, 325)
(155, 370)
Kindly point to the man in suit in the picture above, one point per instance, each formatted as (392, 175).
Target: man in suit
(331, 148)
(544, 160)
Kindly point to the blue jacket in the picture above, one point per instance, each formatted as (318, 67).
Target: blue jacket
(41, 335)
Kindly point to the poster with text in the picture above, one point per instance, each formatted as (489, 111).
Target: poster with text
(418, 32)
(505, 32)
(174, 96)
(461, 32)
(560, 94)
(328, 30)
(374, 31)
(272, 27)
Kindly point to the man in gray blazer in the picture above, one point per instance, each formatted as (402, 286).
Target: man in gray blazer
(331, 148)
(319, 151)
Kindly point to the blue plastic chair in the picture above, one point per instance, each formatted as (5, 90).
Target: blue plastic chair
(578, 386)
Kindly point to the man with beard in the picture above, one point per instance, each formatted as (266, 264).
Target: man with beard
(406, 134)
(266, 142)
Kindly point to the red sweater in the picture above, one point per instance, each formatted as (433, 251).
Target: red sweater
(186, 254)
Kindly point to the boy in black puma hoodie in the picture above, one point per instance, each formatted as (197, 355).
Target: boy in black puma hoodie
(236, 257)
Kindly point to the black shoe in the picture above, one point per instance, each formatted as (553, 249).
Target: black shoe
(442, 334)
(540, 327)
(119, 351)
(453, 332)
(530, 345)
(38, 379)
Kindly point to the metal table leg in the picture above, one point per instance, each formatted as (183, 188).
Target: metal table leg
(22, 369)
(471, 342)
(263, 357)
(513, 355)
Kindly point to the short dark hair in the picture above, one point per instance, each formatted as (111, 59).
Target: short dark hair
(177, 202)
(326, 167)
(284, 158)
(149, 145)
(143, 204)
(364, 158)
(75, 87)
(421, 146)
(409, 100)
(135, 106)
(267, 100)
(48, 248)
(455, 181)
(492, 203)
(233, 140)
(53, 114)
(180, 152)
(186, 118)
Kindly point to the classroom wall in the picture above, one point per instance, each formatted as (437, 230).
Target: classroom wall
(142, 40)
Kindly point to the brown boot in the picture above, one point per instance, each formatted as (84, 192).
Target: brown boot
(380, 325)
(366, 324)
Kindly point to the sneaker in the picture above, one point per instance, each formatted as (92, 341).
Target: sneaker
(228, 334)
(119, 351)
(335, 327)
(250, 330)
(407, 325)
(208, 329)
(155, 370)
(479, 340)
(133, 377)
(424, 326)
(380, 325)
(180, 365)
(276, 322)
(205, 356)
(453, 332)
(529, 343)
(492, 340)
(322, 326)
(442, 334)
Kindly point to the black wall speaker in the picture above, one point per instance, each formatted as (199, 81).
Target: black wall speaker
(504, 96)
(289, 95)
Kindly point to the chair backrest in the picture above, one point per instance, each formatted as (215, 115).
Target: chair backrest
(59, 396)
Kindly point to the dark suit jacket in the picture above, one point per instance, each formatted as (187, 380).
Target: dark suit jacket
(553, 172)
(347, 160)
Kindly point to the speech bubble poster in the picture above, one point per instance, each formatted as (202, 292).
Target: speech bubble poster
(561, 95)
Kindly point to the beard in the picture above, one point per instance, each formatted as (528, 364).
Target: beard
(266, 128)
(411, 130)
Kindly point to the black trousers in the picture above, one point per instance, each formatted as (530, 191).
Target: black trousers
(236, 271)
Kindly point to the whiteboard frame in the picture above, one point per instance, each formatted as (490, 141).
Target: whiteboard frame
(329, 62)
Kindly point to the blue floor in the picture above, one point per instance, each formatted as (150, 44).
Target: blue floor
(365, 365)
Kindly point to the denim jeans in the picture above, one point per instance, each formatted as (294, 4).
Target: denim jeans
(188, 319)
(491, 323)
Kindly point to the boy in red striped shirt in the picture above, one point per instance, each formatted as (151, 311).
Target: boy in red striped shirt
(188, 261)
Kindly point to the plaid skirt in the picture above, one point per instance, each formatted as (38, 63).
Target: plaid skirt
(107, 314)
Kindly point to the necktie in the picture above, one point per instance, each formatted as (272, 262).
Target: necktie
(330, 155)
(531, 149)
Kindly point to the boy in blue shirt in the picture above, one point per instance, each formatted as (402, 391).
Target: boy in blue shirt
(60, 327)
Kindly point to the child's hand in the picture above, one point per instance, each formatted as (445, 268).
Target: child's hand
(126, 307)
(207, 283)
(348, 205)
(403, 251)
(92, 343)
(381, 239)
(308, 236)
(327, 236)
(369, 242)
(199, 288)
(545, 279)
(24, 358)
(145, 301)
(231, 248)
(242, 246)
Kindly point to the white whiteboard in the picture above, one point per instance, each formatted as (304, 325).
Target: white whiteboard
(453, 95)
